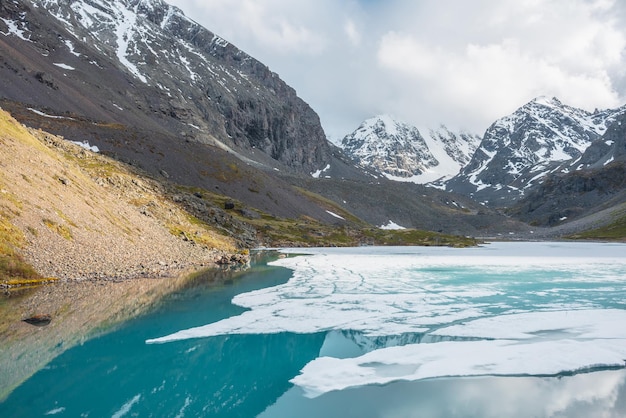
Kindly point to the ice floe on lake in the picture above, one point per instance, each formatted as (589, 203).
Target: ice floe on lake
(582, 341)
(386, 291)
(419, 313)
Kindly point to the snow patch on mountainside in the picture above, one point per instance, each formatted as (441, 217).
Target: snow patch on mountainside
(319, 172)
(15, 28)
(452, 150)
(125, 25)
(391, 226)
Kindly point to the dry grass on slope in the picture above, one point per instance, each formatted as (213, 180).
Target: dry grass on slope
(70, 213)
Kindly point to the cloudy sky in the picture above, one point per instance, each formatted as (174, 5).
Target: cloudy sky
(426, 62)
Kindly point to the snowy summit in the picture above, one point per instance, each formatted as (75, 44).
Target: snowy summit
(400, 152)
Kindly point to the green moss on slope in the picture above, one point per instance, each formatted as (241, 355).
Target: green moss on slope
(615, 231)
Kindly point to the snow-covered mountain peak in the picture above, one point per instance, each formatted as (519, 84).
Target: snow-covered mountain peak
(545, 129)
(381, 126)
(400, 152)
(518, 150)
(546, 101)
(393, 148)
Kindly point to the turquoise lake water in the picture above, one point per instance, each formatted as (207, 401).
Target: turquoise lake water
(247, 371)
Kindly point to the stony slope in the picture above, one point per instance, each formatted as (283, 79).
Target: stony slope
(79, 215)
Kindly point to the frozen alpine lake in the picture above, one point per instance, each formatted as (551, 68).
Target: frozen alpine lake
(413, 313)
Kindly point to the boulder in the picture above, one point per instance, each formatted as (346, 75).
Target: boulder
(39, 320)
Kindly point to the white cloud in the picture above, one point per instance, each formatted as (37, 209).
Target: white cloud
(272, 24)
(352, 32)
(452, 61)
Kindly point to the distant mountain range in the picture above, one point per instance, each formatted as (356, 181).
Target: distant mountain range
(515, 154)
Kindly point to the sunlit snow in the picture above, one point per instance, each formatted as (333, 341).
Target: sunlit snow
(391, 225)
(64, 66)
(333, 214)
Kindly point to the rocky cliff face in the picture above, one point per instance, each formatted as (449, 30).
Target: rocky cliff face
(129, 59)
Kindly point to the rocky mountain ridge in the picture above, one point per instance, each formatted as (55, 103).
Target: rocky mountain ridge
(147, 55)
(391, 147)
(520, 149)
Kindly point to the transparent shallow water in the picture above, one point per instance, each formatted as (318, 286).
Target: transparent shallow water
(537, 329)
